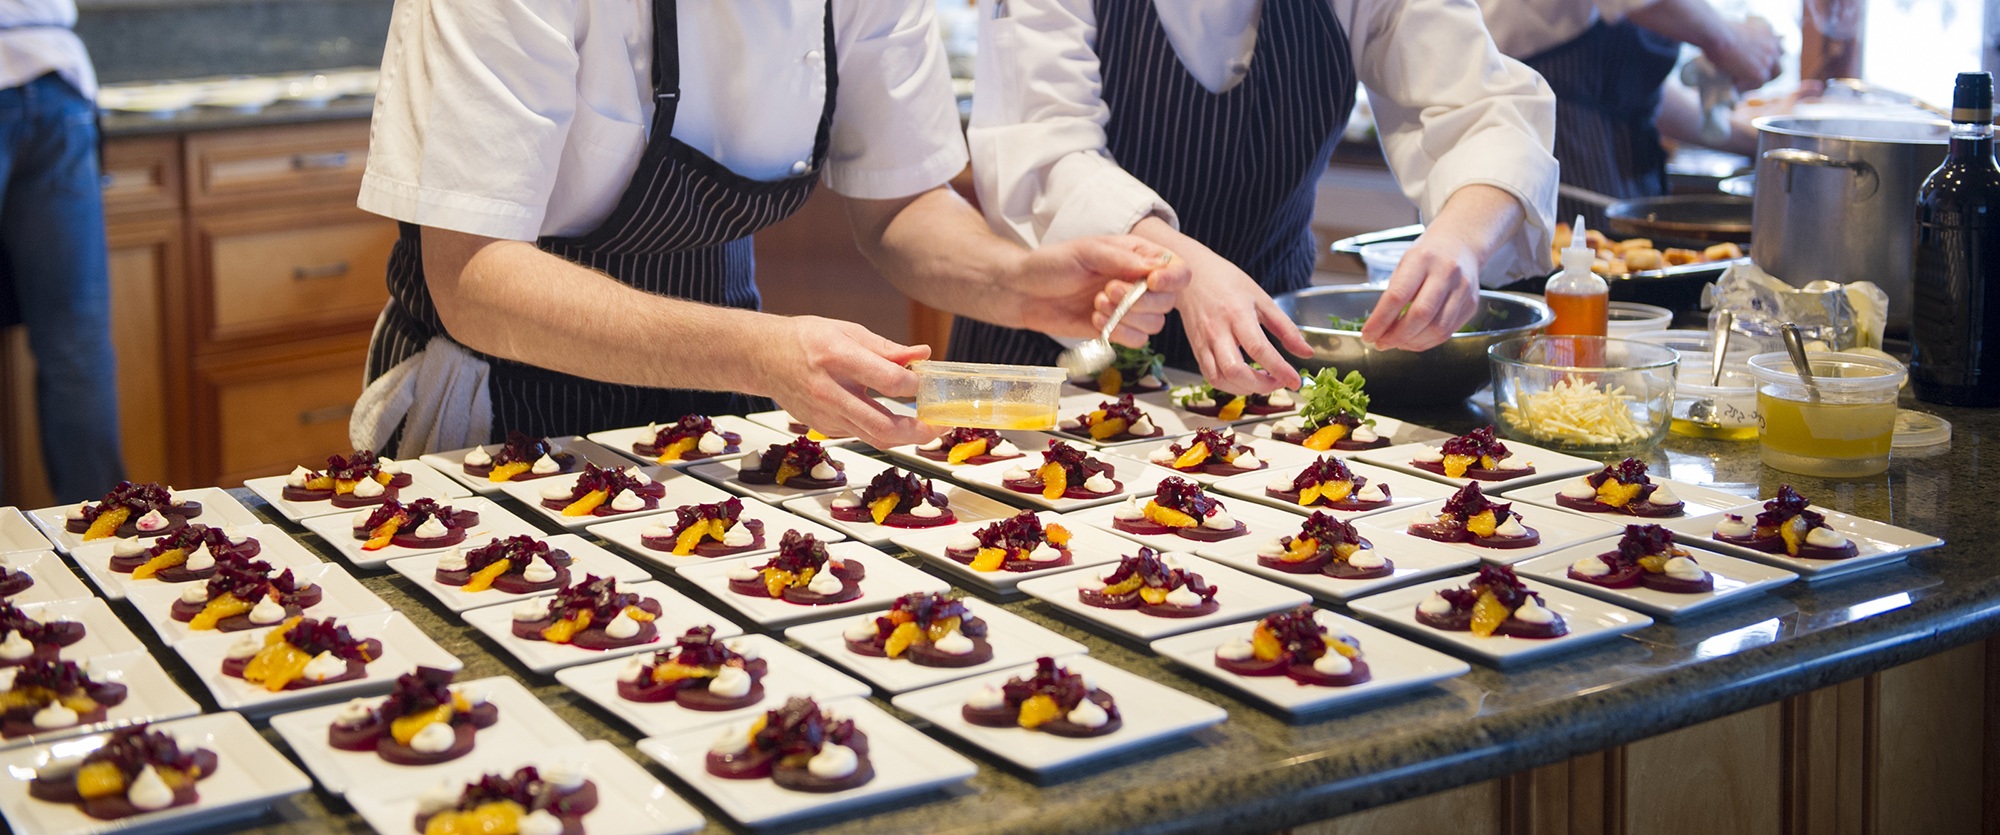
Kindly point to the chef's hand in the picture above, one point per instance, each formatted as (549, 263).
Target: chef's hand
(1070, 289)
(1225, 315)
(820, 370)
(1750, 53)
(1433, 291)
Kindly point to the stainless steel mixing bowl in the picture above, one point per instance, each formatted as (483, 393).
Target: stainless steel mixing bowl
(1442, 375)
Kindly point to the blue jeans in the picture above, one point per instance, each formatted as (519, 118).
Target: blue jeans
(54, 264)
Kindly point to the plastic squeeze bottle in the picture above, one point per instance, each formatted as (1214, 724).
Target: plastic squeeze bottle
(1579, 299)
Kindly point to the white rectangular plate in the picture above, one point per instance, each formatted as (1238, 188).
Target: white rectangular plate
(249, 776)
(338, 531)
(404, 648)
(1701, 501)
(886, 579)
(970, 509)
(1395, 665)
(585, 559)
(906, 762)
(425, 483)
(1735, 579)
(791, 673)
(1088, 546)
(103, 632)
(150, 696)
(1173, 377)
(629, 800)
(524, 724)
(1015, 641)
(1559, 529)
(859, 468)
(342, 597)
(677, 613)
(754, 437)
(1134, 477)
(1274, 455)
(1151, 711)
(1590, 621)
(629, 534)
(19, 534)
(1878, 543)
(275, 547)
(1413, 559)
(681, 489)
(1549, 464)
(1166, 398)
(1404, 489)
(452, 464)
(53, 580)
(1171, 421)
(1029, 443)
(1238, 596)
(1259, 521)
(1385, 426)
(217, 508)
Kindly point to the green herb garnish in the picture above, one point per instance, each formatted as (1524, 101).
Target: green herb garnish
(1340, 323)
(1135, 363)
(1326, 394)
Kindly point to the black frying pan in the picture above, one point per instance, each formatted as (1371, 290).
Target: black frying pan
(1695, 221)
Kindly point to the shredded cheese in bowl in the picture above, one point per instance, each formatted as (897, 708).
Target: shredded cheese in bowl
(1577, 412)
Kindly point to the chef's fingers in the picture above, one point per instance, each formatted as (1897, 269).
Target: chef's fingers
(838, 409)
(1135, 329)
(1282, 326)
(1128, 257)
(1276, 372)
(1417, 327)
(1401, 289)
(1458, 310)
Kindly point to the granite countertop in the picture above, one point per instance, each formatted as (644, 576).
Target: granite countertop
(1259, 772)
(115, 124)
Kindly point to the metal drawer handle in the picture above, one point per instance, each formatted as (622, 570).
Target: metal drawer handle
(1865, 178)
(338, 268)
(327, 414)
(307, 162)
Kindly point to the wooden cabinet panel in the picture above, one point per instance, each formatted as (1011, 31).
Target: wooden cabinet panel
(1468, 810)
(1719, 777)
(293, 163)
(270, 414)
(141, 175)
(283, 275)
(146, 261)
(1927, 746)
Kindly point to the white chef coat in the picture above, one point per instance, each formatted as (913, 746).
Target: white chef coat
(1451, 112)
(35, 40)
(1526, 28)
(521, 118)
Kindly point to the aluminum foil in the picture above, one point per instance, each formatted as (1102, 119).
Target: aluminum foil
(1837, 316)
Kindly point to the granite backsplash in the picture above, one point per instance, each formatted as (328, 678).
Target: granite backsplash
(144, 40)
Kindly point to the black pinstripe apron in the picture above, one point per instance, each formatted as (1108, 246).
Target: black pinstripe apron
(1607, 84)
(1240, 167)
(681, 228)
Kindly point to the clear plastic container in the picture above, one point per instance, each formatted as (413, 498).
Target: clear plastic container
(1732, 405)
(1382, 259)
(1847, 433)
(1625, 320)
(1548, 398)
(985, 396)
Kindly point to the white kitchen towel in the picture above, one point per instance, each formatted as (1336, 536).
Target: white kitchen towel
(439, 397)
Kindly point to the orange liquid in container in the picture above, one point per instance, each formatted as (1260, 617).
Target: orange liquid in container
(1581, 304)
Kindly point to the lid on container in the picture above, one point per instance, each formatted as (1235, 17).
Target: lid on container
(1916, 430)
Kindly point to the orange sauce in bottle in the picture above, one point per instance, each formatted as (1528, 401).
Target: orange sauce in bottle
(1581, 302)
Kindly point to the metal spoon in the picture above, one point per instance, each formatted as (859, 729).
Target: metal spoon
(1797, 346)
(1703, 410)
(1090, 357)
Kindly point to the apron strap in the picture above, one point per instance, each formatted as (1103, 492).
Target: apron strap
(667, 74)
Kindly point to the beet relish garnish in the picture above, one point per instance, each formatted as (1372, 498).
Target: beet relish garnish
(518, 550)
(1121, 409)
(313, 637)
(688, 427)
(1645, 541)
(798, 552)
(1479, 443)
(909, 489)
(522, 448)
(1020, 532)
(1329, 531)
(415, 692)
(1186, 497)
(801, 729)
(1153, 572)
(687, 516)
(1326, 469)
(698, 647)
(1470, 501)
(1497, 579)
(1787, 504)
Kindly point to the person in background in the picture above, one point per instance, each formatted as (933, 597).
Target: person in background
(1608, 61)
(578, 183)
(53, 263)
(1205, 127)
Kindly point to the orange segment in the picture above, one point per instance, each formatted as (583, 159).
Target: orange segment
(228, 605)
(107, 523)
(638, 614)
(1110, 381)
(379, 538)
(1127, 586)
(1325, 437)
(587, 505)
(1168, 516)
(500, 817)
(1309, 495)
(816, 435)
(776, 581)
(989, 559)
(1793, 532)
(684, 543)
(1057, 535)
(786, 472)
(1487, 614)
(1455, 465)
(1336, 491)
(1153, 594)
(1301, 550)
(941, 628)
(324, 482)
(1342, 649)
(1264, 646)
(1038, 710)
(1615, 494)
(675, 672)
(344, 486)
(675, 450)
(1055, 480)
(1108, 428)
(563, 631)
(1233, 409)
(482, 579)
(1655, 563)
(901, 638)
(1482, 523)
(961, 453)
(100, 779)
(405, 728)
(507, 471)
(157, 564)
(880, 509)
(1192, 457)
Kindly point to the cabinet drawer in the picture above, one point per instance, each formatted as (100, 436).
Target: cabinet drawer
(321, 160)
(288, 275)
(272, 416)
(141, 175)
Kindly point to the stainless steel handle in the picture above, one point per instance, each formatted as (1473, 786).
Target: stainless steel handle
(326, 414)
(309, 162)
(1865, 179)
(338, 268)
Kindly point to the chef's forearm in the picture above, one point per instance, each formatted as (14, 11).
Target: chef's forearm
(512, 300)
(938, 250)
(1481, 217)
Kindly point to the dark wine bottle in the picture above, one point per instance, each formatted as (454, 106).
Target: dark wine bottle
(1955, 318)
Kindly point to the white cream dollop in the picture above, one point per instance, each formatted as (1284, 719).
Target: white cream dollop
(546, 465)
(860, 630)
(149, 791)
(355, 713)
(634, 669)
(1590, 567)
(1219, 520)
(1088, 714)
(1282, 398)
(1825, 538)
(1014, 474)
(474, 457)
(324, 666)
(824, 471)
(932, 445)
(1364, 434)
(1004, 449)
(622, 626)
(824, 582)
(195, 594)
(434, 738)
(74, 513)
(439, 797)
(1044, 553)
(734, 740)
(1069, 423)
(453, 560)
(388, 467)
(627, 501)
(300, 475)
(1511, 528)
(1531, 611)
(1089, 583)
(738, 536)
(1142, 426)
(557, 492)
(1131, 510)
(1273, 548)
(753, 461)
(745, 573)
(152, 521)
(1579, 490)
(1147, 381)
(1183, 598)
(1371, 492)
(267, 611)
(926, 510)
(565, 775)
(1288, 426)
(954, 643)
(1513, 463)
(657, 530)
(1235, 649)
(833, 762)
(1098, 483)
(128, 546)
(16, 647)
(368, 488)
(1663, 496)
(540, 822)
(1332, 664)
(54, 715)
(730, 682)
(1163, 455)
(360, 518)
(1434, 605)
(538, 571)
(1366, 559)
(1734, 525)
(200, 560)
(1682, 568)
(1247, 461)
(245, 647)
(986, 698)
(1428, 455)
(433, 528)
(712, 443)
(1281, 484)
(531, 609)
(963, 542)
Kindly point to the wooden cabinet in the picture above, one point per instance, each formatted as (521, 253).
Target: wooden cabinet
(275, 410)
